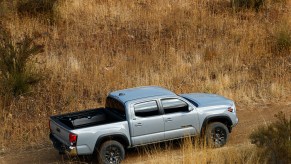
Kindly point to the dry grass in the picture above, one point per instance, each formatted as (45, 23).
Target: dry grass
(190, 152)
(95, 47)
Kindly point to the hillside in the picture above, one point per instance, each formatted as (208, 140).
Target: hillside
(94, 47)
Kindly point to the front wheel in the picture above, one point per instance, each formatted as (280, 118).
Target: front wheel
(216, 134)
(111, 152)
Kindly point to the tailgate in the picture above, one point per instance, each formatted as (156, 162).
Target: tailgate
(59, 131)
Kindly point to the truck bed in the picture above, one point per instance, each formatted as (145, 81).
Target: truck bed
(86, 118)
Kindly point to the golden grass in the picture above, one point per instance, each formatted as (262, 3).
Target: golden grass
(95, 47)
(190, 152)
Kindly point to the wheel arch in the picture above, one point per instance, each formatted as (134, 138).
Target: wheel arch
(223, 119)
(121, 138)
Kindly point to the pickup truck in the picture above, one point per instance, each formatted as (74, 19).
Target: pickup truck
(139, 116)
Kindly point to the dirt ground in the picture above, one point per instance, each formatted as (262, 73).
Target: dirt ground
(249, 118)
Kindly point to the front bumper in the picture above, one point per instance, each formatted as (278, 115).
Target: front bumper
(62, 148)
(236, 122)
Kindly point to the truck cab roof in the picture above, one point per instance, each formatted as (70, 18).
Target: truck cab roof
(140, 92)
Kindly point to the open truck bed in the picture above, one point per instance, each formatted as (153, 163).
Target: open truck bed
(86, 118)
(62, 126)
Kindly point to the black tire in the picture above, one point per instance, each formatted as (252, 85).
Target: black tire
(216, 134)
(111, 152)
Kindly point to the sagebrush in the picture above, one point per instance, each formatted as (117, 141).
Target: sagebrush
(274, 140)
(17, 73)
(283, 40)
(255, 4)
(43, 9)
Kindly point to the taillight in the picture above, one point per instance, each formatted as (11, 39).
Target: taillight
(230, 109)
(73, 139)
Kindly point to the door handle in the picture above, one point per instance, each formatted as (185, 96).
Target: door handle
(138, 124)
(169, 119)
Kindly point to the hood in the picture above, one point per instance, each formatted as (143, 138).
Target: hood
(204, 99)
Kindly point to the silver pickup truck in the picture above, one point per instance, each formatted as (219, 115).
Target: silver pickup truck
(139, 116)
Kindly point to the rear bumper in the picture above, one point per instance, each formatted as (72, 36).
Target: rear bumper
(62, 148)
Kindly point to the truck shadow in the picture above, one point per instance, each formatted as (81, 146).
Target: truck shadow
(137, 152)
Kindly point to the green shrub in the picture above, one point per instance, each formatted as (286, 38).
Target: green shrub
(3, 8)
(254, 4)
(283, 40)
(17, 73)
(42, 8)
(274, 140)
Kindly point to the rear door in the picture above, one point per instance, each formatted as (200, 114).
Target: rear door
(147, 123)
(179, 120)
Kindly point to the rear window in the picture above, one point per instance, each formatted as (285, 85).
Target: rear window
(115, 106)
(146, 109)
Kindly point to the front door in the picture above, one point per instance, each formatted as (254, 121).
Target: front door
(179, 121)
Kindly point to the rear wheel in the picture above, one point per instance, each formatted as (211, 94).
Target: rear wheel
(111, 152)
(216, 134)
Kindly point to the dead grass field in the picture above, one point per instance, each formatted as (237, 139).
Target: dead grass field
(94, 47)
(238, 149)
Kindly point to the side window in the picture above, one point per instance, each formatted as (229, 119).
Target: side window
(146, 109)
(174, 105)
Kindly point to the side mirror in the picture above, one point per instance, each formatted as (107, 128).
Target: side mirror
(191, 108)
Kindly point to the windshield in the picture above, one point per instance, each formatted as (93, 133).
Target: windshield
(191, 101)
